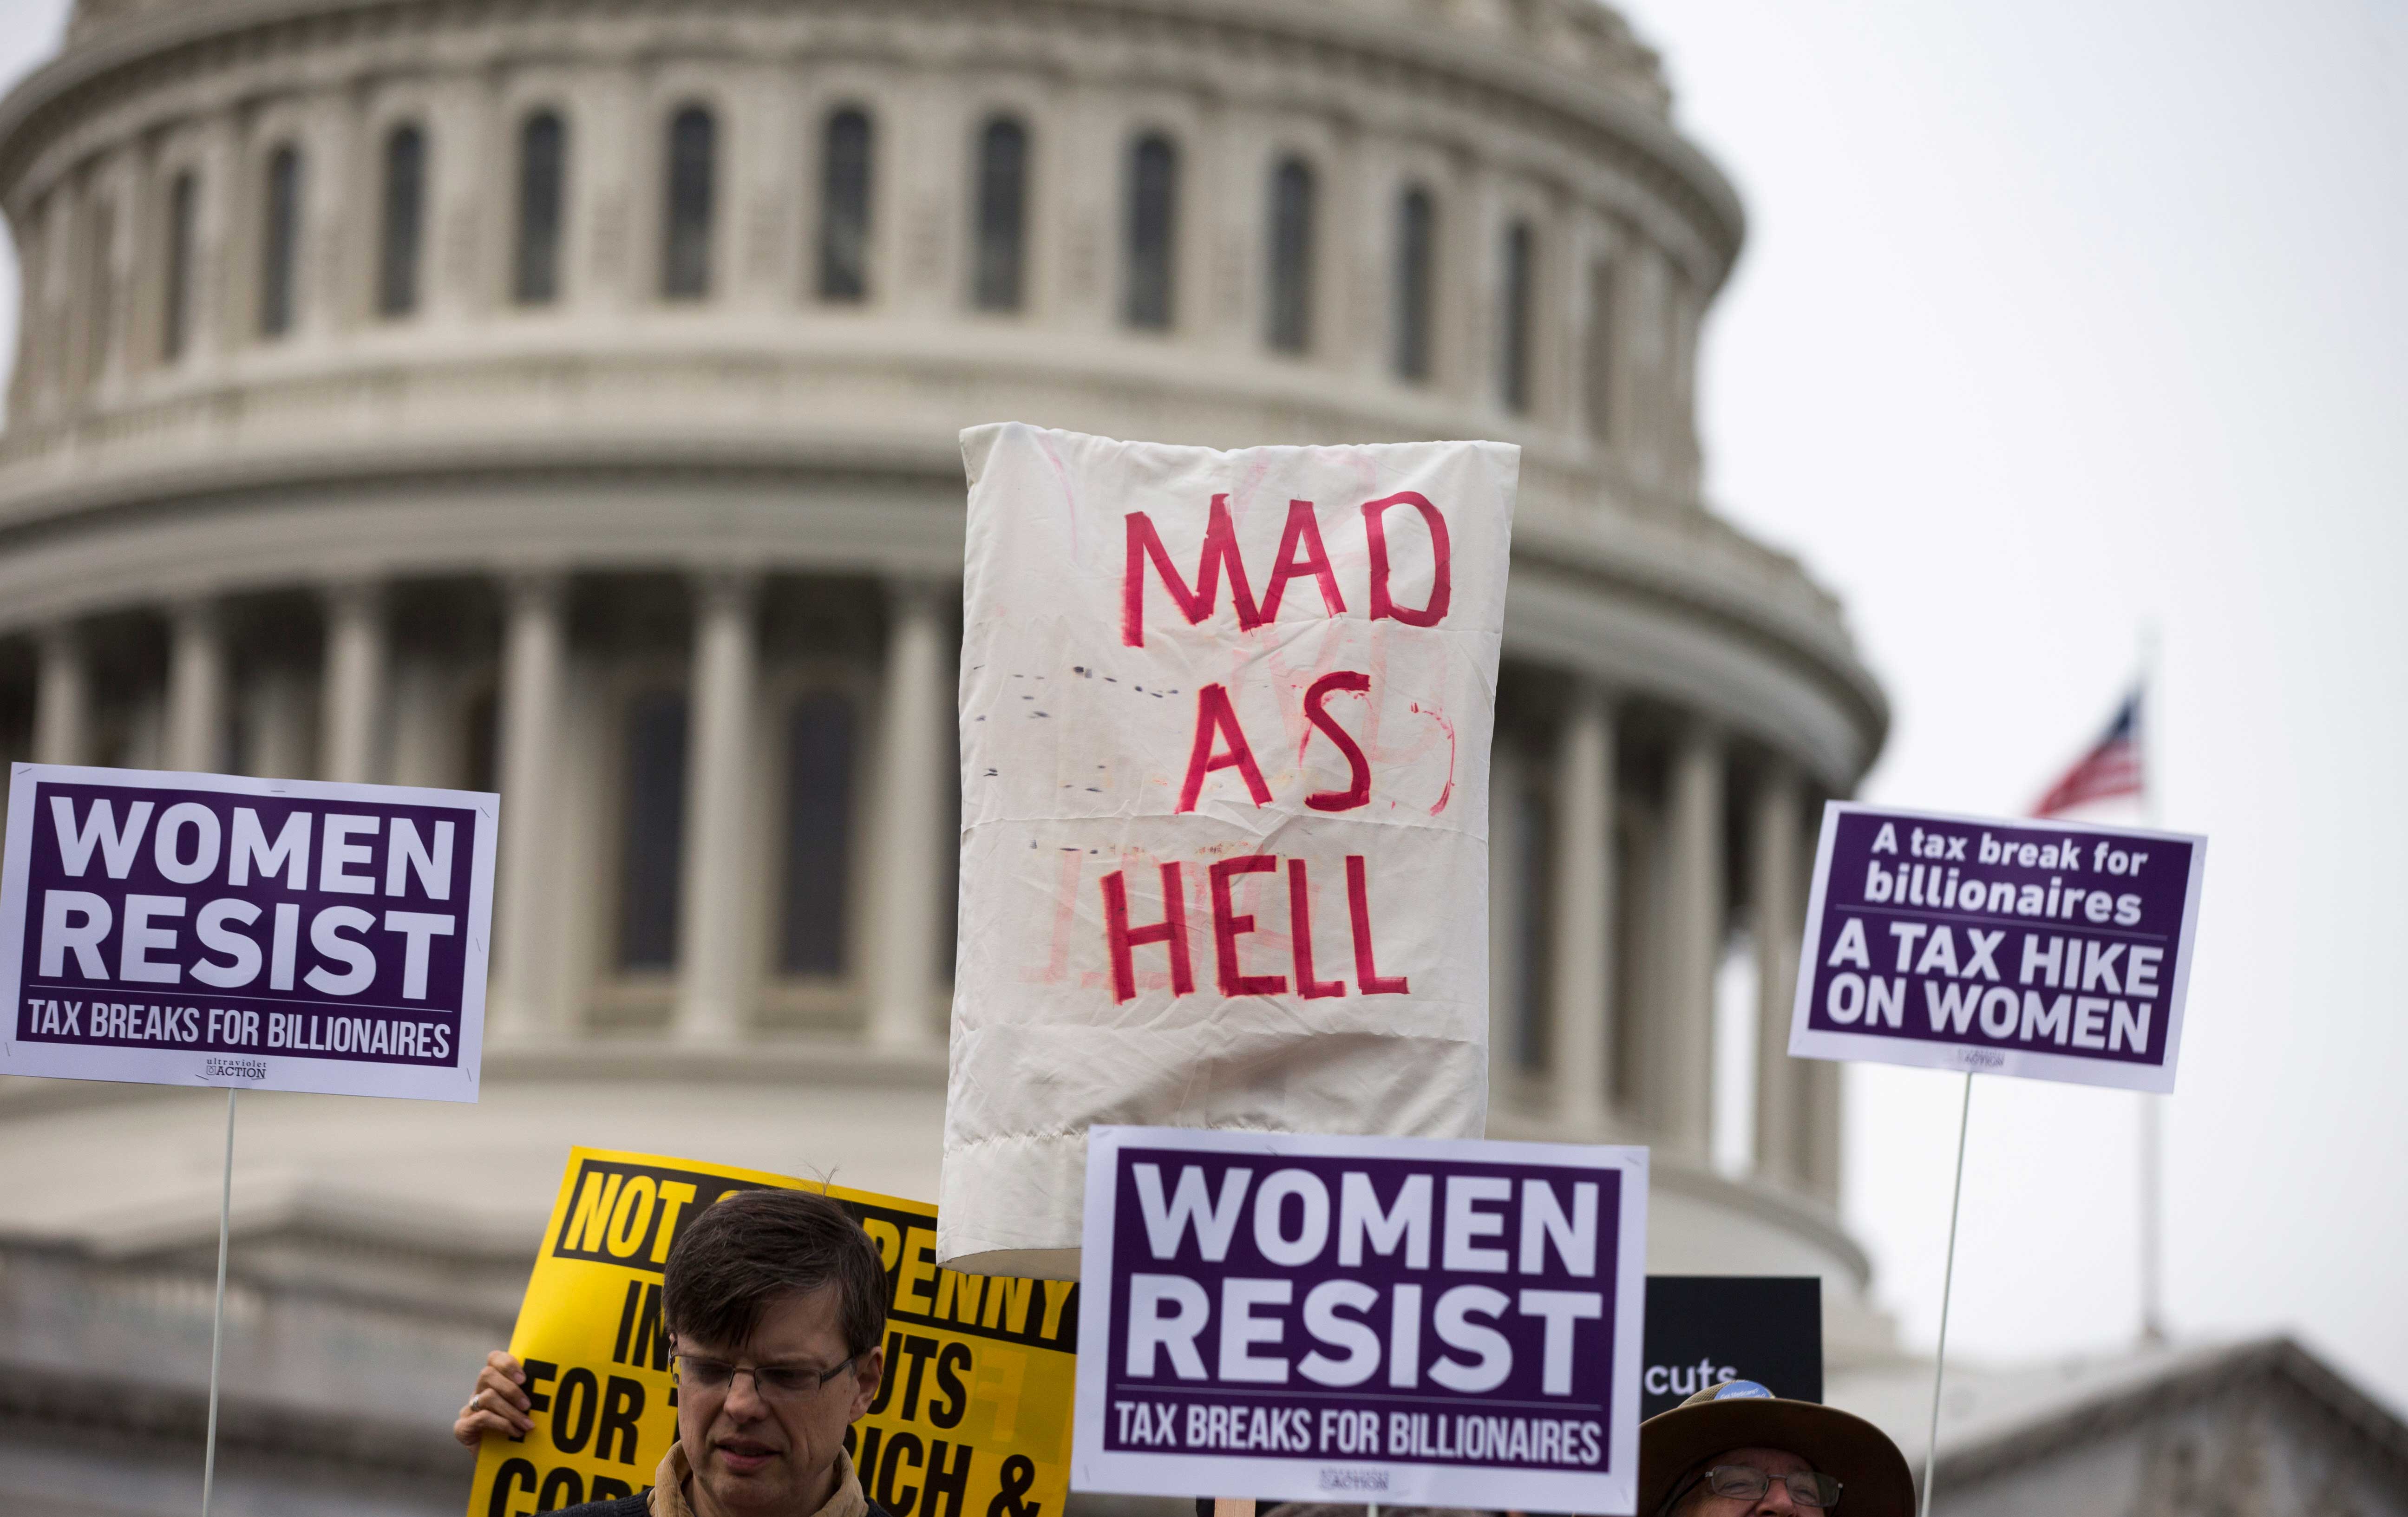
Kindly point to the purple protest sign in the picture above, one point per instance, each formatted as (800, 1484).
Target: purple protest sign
(1406, 1321)
(2057, 950)
(260, 933)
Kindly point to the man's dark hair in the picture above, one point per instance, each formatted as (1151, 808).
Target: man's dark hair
(752, 1248)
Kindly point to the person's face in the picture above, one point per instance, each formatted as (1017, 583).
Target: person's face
(763, 1452)
(1774, 1502)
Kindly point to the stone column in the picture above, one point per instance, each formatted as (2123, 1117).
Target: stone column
(1584, 909)
(210, 308)
(1683, 1073)
(927, 237)
(1778, 907)
(340, 219)
(712, 968)
(916, 757)
(608, 223)
(33, 229)
(1557, 348)
(62, 699)
(534, 659)
(120, 269)
(1350, 315)
(756, 165)
(1647, 437)
(473, 163)
(356, 657)
(1682, 310)
(196, 688)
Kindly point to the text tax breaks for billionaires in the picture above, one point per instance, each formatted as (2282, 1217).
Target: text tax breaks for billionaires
(1225, 733)
(1414, 1322)
(283, 934)
(2053, 951)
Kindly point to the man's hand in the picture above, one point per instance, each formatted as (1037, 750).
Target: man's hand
(498, 1406)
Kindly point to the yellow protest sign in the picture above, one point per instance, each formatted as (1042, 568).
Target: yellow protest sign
(973, 1419)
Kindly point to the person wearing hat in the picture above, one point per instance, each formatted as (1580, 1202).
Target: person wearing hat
(1739, 1450)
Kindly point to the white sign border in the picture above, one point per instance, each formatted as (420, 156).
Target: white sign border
(286, 1072)
(1807, 1042)
(1093, 1468)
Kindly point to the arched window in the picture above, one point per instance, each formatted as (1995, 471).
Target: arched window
(819, 735)
(1604, 333)
(685, 256)
(1290, 309)
(652, 846)
(1513, 319)
(543, 164)
(1416, 274)
(278, 241)
(176, 313)
(1153, 231)
(405, 205)
(1002, 215)
(844, 206)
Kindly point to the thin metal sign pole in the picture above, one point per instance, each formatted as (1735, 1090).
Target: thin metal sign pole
(2152, 1308)
(1948, 1284)
(217, 1318)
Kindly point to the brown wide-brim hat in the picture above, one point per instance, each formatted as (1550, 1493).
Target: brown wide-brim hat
(1675, 1445)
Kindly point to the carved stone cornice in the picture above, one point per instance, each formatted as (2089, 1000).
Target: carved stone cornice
(2268, 1372)
(1615, 112)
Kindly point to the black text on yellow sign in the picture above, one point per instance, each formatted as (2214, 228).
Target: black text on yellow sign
(972, 1420)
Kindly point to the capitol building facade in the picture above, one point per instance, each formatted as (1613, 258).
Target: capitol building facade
(559, 398)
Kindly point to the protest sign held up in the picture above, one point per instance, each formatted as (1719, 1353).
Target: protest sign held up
(1705, 1329)
(252, 934)
(2057, 951)
(1404, 1321)
(972, 1420)
(1225, 729)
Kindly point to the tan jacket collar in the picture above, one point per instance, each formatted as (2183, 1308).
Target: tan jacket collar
(668, 1487)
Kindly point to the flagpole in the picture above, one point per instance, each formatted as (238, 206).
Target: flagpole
(2153, 1313)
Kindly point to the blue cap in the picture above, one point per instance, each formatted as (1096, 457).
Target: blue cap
(1742, 1390)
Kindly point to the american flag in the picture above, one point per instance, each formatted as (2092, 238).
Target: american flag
(2112, 767)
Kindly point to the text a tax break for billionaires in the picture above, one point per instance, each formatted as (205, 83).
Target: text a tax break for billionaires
(2057, 951)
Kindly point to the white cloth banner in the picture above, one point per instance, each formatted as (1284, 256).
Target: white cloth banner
(1225, 725)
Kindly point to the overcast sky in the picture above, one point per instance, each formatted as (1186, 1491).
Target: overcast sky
(2058, 316)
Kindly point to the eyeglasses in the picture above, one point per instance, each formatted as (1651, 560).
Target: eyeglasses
(770, 1382)
(1746, 1483)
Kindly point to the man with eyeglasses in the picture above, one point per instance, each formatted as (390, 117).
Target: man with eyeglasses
(1739, 1450)
(776, 1307)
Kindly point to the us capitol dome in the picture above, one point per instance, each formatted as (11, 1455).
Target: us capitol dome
(559, 396)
